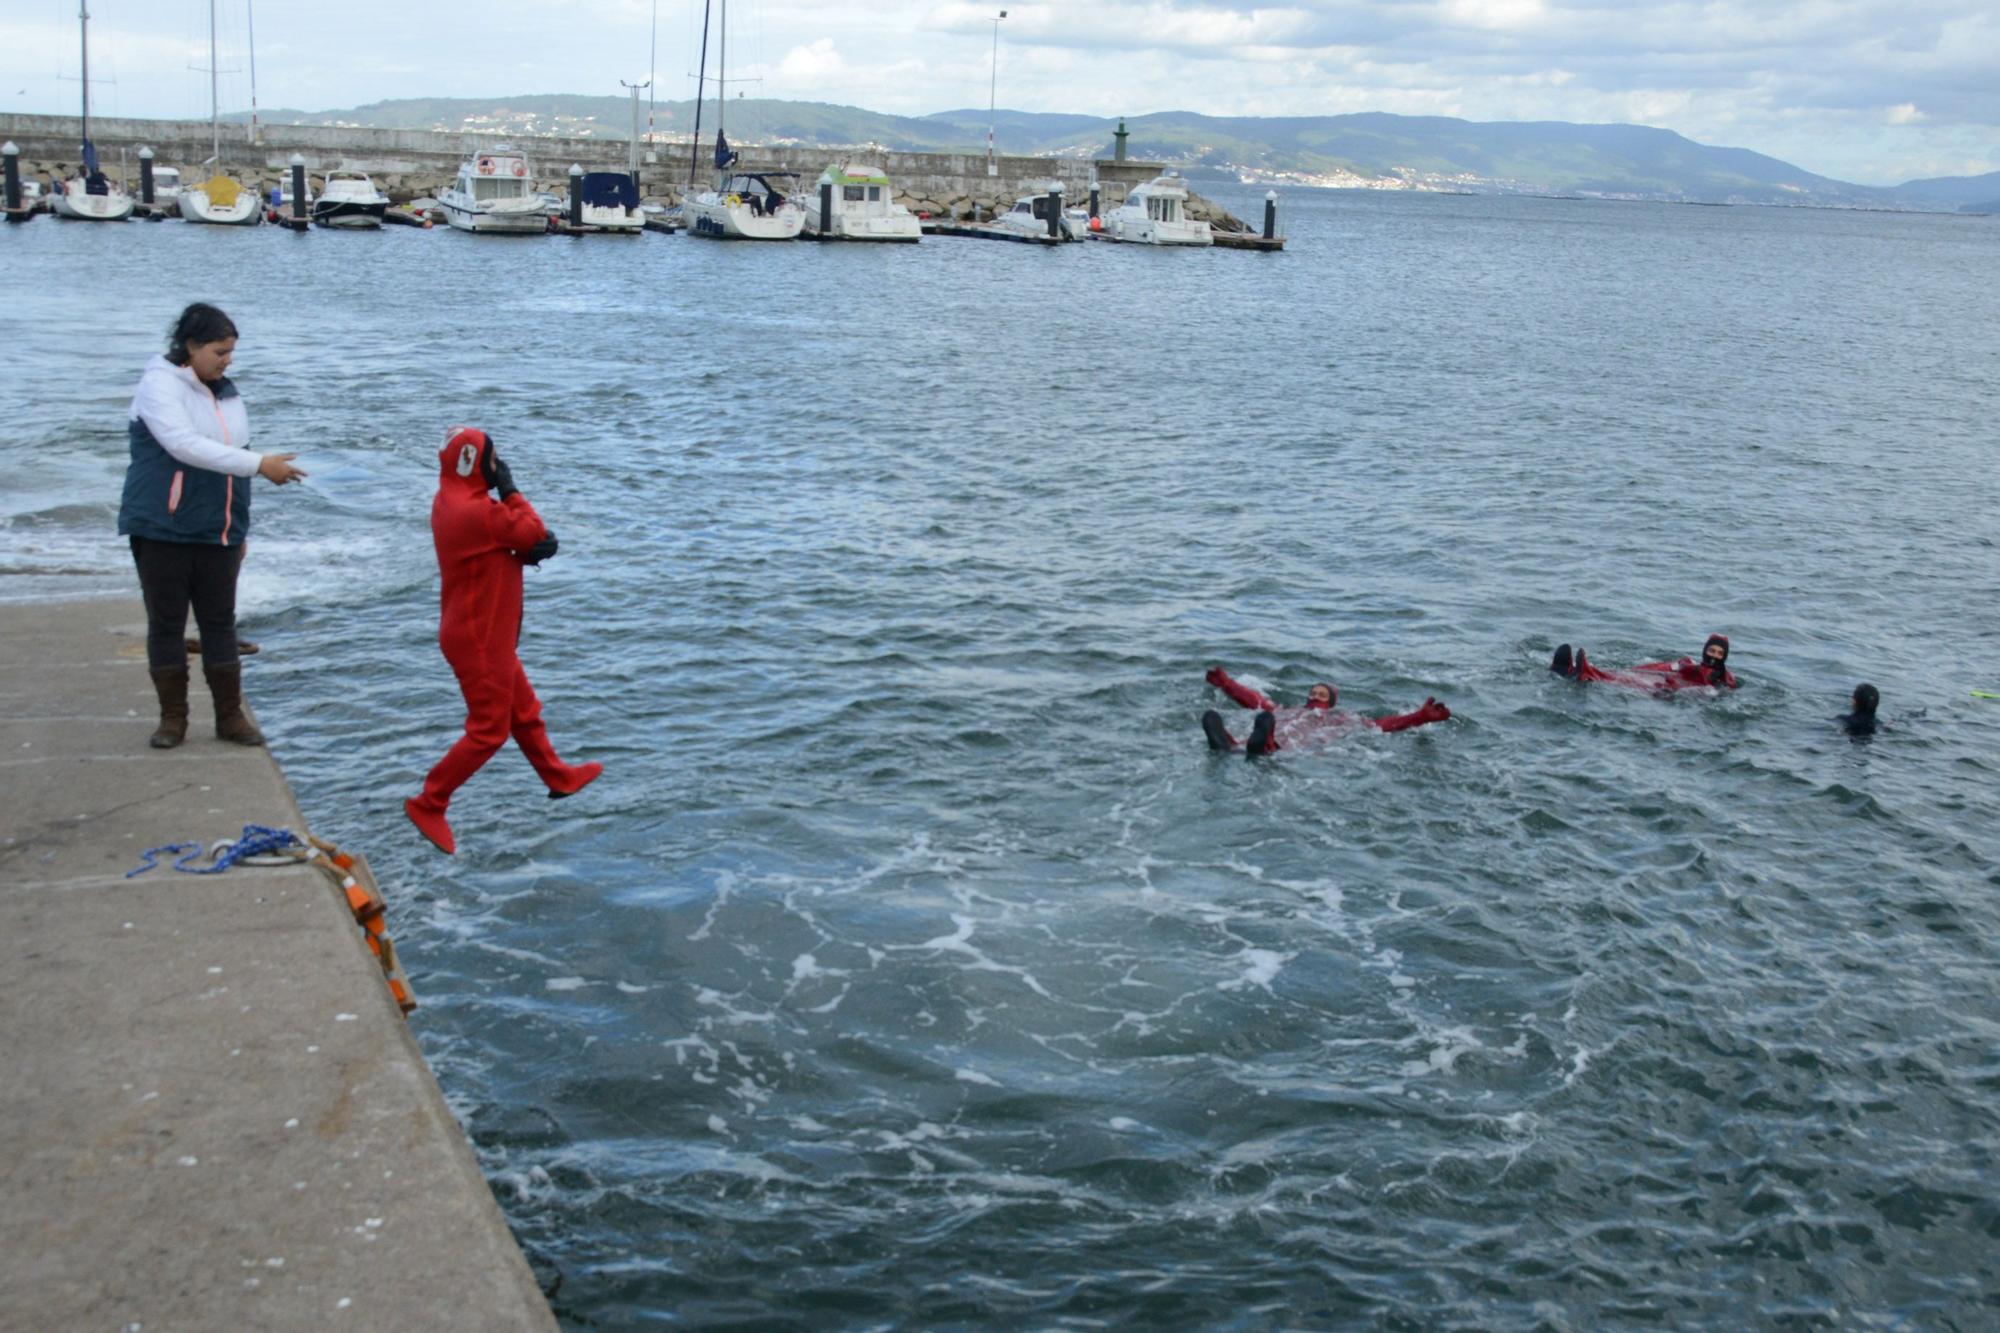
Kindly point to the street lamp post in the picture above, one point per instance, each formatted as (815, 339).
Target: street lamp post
(992, 89)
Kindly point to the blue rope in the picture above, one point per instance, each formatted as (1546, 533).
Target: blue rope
(256, 841)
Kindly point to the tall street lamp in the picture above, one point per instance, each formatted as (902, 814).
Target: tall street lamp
(992, 87)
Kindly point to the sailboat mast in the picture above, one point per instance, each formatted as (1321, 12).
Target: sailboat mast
(700, 86)
(214, 90)
(83, 13)
(722, 73)
(250, 11)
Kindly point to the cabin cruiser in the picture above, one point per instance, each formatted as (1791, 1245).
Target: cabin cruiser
(349, 199)
(494, 193)
(167, 190)
(1029, 217)
(1156, 214)
(864, 207)
(746, 206)
(611, 201)
(222, 201)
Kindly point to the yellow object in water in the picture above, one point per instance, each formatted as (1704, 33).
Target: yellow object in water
(221, 191)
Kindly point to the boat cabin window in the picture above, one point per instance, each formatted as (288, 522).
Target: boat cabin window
(1022, 207)
(874, 194)
(489, 187)
(853, 194)
(1042, 207)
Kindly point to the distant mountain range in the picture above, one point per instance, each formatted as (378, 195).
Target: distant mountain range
(1370, 149)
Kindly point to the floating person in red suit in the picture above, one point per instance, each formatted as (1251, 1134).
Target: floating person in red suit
(482, 546)
(1711, 672)
(1299, 728)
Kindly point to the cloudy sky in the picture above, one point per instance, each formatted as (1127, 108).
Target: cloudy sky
(1873, 91)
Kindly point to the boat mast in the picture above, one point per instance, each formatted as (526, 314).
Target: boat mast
(721, 84)
(214, 91)
(83, 13)
(250, 10)
(700, 85)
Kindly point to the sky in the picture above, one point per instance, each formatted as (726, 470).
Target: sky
(1870, 91)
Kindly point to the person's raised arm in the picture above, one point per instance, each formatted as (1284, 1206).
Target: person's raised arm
(1432, 711)
(513, 524)
(1242, 694)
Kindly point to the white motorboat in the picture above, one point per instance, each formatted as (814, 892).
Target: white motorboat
(221, 201)
(610, 201)
(746, 206)
(166, 191)
(349, 199)
(864, 207)
(1030, 217)
(1156, 214)
(494, 193)
(91, 197)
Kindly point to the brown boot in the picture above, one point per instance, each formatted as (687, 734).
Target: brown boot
(171, 684)
(226, 684)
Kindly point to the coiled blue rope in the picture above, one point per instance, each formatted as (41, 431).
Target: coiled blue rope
(256, 841)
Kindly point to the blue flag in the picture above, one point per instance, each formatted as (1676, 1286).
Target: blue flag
(89, 158)
(723, 157)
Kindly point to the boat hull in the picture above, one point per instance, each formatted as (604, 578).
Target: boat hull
(720, 220)
(347, 214)
(613, 219)
(93, 207)
(1150, 231)
(487, 221)
(865, 228)
(196, 206)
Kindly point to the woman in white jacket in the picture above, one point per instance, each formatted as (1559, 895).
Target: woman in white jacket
(187, 510)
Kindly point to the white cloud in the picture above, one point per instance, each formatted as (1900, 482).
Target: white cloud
(1904, 114)
(806, 67)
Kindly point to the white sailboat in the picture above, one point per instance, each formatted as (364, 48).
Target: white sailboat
(743, 206)
(219, 199)
(91, 197)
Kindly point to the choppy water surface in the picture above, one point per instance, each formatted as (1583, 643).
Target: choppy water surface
(914, 964)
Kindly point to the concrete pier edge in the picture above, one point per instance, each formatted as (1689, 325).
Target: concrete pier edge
(216, 1116)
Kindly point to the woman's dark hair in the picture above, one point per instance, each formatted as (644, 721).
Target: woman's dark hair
(199, 323)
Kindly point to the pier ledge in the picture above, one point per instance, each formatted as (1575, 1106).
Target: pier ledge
(215, 1115)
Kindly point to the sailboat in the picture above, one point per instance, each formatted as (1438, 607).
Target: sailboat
(219, 199)
(91, 197)
(744, 205)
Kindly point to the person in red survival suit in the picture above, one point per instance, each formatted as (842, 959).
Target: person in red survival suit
(1712, 671)
(482, 546)
(1299, 728)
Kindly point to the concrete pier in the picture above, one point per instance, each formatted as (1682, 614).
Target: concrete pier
(214, 1115)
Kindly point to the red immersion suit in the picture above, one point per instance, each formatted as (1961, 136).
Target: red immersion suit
(1316, 724)
(1687, 673)
(479, 544)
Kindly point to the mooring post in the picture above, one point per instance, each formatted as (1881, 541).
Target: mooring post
(298, 188)
(12, 152)
(146, 177)
(576, 194)
(1055, 211)
(825, 209)
(1094, 198)
(1270, 215)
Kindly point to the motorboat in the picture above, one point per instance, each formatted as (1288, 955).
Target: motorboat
(864, 207)
(494, 192)
(349, 199)
(611, 201)
(1156, 214)
(1029, 217)
(166, 190)
(746, 206)
(221, 201)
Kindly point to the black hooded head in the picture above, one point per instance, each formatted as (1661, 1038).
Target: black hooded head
(1866, 700)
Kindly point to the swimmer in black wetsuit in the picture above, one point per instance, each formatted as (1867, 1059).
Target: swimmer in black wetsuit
(1861, 722)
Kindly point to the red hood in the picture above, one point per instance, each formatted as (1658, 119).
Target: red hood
(462, 461)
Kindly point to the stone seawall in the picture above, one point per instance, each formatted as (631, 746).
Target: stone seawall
(407, 164)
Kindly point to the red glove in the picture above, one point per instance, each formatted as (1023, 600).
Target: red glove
(1432, 711)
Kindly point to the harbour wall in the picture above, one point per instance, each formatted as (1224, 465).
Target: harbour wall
(408, 164)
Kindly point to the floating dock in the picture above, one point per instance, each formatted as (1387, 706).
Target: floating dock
(985, 232)
(215, 1115)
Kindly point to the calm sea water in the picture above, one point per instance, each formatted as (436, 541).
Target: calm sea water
(915, 965)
